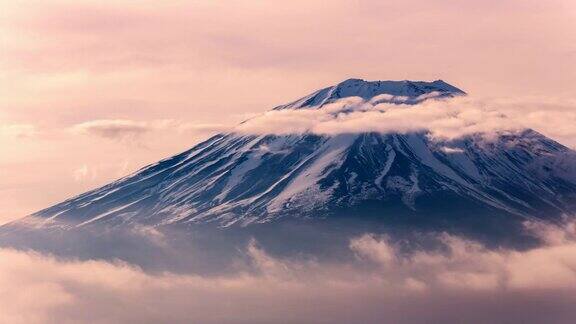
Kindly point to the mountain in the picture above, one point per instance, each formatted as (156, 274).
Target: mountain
(238, 181)
(406, 91)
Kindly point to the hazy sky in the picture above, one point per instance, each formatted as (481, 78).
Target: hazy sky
(91, 90)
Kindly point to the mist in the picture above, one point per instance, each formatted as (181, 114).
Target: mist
(459, 281)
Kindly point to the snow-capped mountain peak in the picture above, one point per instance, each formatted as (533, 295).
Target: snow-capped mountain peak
(393, 178)
(409, 92)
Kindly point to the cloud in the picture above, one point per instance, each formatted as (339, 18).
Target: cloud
(119, 129)
(442, 119)
(552, 116)
(462, 282)
(18, 130)
(130, 130)
(96, 35)
(451, 150)
(83, 173)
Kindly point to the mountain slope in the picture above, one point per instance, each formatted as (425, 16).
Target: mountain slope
(241, 180)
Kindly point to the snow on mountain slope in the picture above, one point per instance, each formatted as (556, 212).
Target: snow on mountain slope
(239, 180)
(394, 91)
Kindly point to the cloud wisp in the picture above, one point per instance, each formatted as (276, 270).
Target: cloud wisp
(126, 130)
(384, 285)
(121, 129)
(17, 131)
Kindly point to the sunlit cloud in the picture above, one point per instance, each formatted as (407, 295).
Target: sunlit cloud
(442, 119)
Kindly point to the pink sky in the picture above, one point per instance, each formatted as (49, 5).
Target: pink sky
(91, 90)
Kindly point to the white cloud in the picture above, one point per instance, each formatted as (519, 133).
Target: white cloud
(446, 119)
(442, 119)
(451, 150)
(386, 285)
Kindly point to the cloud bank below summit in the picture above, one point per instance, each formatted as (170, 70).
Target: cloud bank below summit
(442, 119)
(383, 285)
